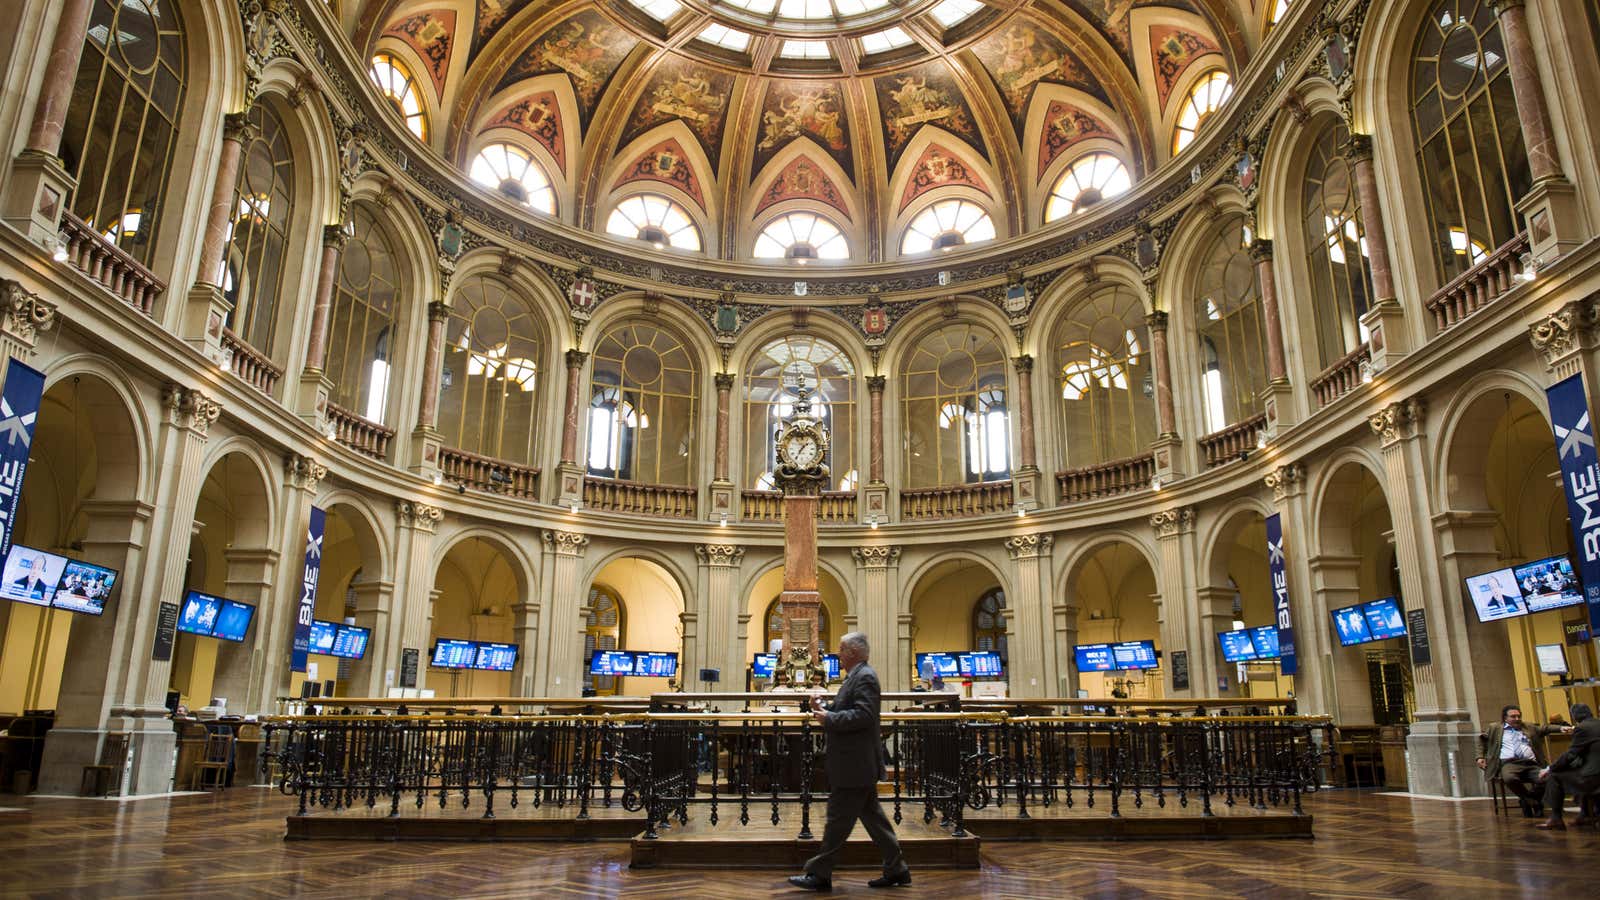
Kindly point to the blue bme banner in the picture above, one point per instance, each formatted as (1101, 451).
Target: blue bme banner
(308, 590)
(19, 411)
(1280, 594)
(1580, 478)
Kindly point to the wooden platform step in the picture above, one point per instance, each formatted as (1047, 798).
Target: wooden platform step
(764, 846)
(462, 828)
(1165, 826)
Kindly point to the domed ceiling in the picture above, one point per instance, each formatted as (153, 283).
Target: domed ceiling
(862, 111)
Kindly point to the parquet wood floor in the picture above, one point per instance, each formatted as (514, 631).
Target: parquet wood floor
(231, 844)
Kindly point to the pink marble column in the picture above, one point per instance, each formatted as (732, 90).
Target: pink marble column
(236, 132)
(569, 425)
(1261, 252)
(1532, 112)
(724, 392)
(875, 386)
(60, 77)
(1372, 226)
(1029, 455)
(1166, 416)
(432, 364)
(333, 238)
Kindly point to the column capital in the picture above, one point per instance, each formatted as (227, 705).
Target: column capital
(1359, 147)
(303, 472)
(334, 236)
(565, 543)
(1024, 364)
(1170, 523)
(25, 313)
(190, 409)
(1030, 546)
(576, 358)
(1501, 7)
(724, 381)
(1573, 327)
(1261, 250)
(438, 311)
(1286, 481)
(418, 516)
(237, 127)
(1157, 320)
(1401, 420)
(876, 557)
(876, 383)
(726, 555)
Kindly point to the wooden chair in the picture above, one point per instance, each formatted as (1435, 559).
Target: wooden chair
(219, 752)
(1498, 796)
(102, 777)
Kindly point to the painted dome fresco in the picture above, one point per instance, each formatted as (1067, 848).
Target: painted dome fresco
(801, 131)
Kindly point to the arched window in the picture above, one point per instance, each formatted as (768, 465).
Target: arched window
(258, 241)
(488, 389)
(121, 130)
(395, 82)
(801, 236)
(1336, 246)
(1227, 316)
(361, 335)
(1470, 152)
(1105, 378)
(946, 225)
(989, 625)
(953, 408)
(774, 620)
(642, 406)
(654, 218)
(1206, 97)
(769, 396)
(1090, 179)
(602, 631)
(513, 172)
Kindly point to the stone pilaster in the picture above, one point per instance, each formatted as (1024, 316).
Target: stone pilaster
(561, 674)
(414, 577)
(302, 475)
(24, 316)
(243, 674)
(1032, 654)
(1309, 618)
(1174, 532)
(877, 586)
(719, 646)
(370, 675)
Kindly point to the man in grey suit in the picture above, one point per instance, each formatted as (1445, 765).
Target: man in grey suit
(854, 765)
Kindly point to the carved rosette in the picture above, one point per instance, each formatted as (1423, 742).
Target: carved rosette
(565, 543)
(1398, 421)
(1028, 546)
(419, 516)
(1172, 522)
(876, 557)
(188, 408)
(26, 314)
(1286, 480)
(728, 555)
(303, 472)
(1574, 326)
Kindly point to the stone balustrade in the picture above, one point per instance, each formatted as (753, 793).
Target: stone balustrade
(1480, 285)
(251, 365)
(1107, 479)
(669, 501)
(110, 265)
(485, 473)
(1227, 445)
(1343, 376)
(957, 501)
(361, 435)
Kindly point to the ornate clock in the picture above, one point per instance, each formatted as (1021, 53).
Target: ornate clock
(802, 449)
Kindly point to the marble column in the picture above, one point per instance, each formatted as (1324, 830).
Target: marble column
(1032, 654)
(570, 469)
(1175, 568)
(561, 673)
(722, 492)
(1025, 479)
(414, 577)
(1166, 415)
(237, 130)
(36, 194)
(877, 571)
(875, 496)
(719, 647)
(1550, 208)
(1384, 319)
(432, 365)
(1276, 399)
(311, 403)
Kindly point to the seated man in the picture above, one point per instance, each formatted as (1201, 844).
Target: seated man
(1576, 772)
(1514, 752)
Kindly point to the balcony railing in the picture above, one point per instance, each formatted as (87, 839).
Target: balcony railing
(485, 473)
(957, 501)
(1342, 377)
(110, 265)
(615, 495)
(1226, 445)
(767, 506)
(1480, 285)
(251, 365)
(1107, 479)
(361, 435)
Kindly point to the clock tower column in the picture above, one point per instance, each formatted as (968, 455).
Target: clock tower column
(801, 474)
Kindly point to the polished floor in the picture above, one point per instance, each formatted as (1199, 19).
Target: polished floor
(1367, 845)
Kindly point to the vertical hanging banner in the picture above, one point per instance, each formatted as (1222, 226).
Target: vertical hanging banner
(308, 590)
(1280, 594)
(1580, 478)
(19, 410)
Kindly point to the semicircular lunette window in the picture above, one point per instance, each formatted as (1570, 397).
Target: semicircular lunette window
(654, 218)
(396, 83)
(1090, 179)
(510, 170)
(946, 225)
(801, 236)
(1204, 98)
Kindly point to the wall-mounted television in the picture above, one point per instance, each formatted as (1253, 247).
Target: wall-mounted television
(1135, 655)
(233, 621)
(199, 612)
(30, 575)
(323, 634)
(1350, 624)
(831, 662)
(1552, 658)
(84, 587)
(981, 664)
(1238, 646)
(351, 642)
(1548, 583)
(655, 665)
(1384, 619)
(453, 654)
(1094, 657)
(611, 662)
(1265, 639)
(1495, 595)
(495, 657)
(944, 665)
(763, 664)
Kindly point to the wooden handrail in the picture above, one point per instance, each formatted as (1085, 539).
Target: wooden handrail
(1480, 285)
(361, 435)
(1226, 445)
(251, 365)
(670, 501)
(118, 272)
(1342, 377)
(956, 501)
(485, 473)
(767, 506)
(1107, 479)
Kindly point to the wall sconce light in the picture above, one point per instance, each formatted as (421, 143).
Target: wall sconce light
(723, 523)
(1155, 482)
(1530, 267)
(573, 507)
(59, 252)
(873, 523)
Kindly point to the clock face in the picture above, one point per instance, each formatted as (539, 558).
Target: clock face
(801, 451)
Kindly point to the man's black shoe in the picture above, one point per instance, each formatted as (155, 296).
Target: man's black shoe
(892, 880)
(1527, 810)
(809, 882)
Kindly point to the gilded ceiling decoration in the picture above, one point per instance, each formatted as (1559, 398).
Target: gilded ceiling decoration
(811, 109)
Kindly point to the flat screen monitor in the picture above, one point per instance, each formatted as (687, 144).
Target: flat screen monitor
(496, 657)
(1265, 638)
(323, 634)
(1134, 655)
(981, 664)
(611, 662)
(831, 661)
(1351, 625)
(1238, 646)
(1552, 658)
(351, 642)
(1495, 595)
(1094, 657)
(30, 575)
(1384, 619)
(655, 665)
(1548, 583)
(199, 613)
(942, 664)
(763, 664)
(84, 587)
(453, 654)
(233, 622)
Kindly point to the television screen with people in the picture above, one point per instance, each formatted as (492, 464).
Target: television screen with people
(496, 657)
(1350, 623)
(763, 664)
(981, 664)
(655, 665)
(1495, 595)
(30, 575)
(199, 612)
(1548, 583)
(1265, 639)
(1237, 646)
(943, 665)
(84, 587)
(611, 662)
(233, 621)
(1384, 619)
(454, 654)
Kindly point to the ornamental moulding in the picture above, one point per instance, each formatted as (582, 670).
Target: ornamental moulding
(565, 543)
(1170, 522)
(419, 516)
(719, 554)
(1398, 421)
(876, 557)
(1028, 546)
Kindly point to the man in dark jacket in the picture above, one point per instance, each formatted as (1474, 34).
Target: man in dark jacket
(854, 765)
(1575, 772)
(1513, 751)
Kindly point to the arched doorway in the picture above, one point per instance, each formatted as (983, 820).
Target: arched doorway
(475, 592)
(352, 590)
(957, 606)
(1114, 589)
(633, 604)
(1237, 594)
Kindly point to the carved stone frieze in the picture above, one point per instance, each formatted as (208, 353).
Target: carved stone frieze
(1286, 481)
(1027, 546)
(26, 315)
(1574, 326)
(419, 516)
(876, 557)
(303, 472)
(565, 543)
(188, 408)
(1398, 421)
(1173, 522)
(719, 554)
